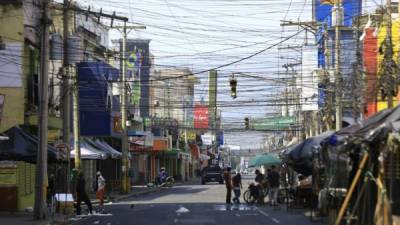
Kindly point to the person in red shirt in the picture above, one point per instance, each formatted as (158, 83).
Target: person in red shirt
(228, 184)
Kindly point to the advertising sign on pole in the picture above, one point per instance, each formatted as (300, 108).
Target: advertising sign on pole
(200, 116)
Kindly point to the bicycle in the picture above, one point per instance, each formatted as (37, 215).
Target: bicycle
(250, 196)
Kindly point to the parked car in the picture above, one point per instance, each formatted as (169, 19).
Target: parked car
(212, 173)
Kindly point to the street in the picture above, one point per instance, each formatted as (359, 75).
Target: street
(192, 204)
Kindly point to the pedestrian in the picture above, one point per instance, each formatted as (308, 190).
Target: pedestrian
(273, 182)
(260, 180)
(101, 189)
(237, 185)
(228, 185)
(81, 194)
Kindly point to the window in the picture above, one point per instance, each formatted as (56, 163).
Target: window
(2, 98)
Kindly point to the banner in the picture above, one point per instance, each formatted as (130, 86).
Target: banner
(138, 67)
(200, 116)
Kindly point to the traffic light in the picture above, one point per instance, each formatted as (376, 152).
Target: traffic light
(246, 123)
(233, 83)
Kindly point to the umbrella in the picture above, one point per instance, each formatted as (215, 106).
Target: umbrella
(265, 160)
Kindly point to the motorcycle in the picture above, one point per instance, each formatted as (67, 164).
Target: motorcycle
(160, 182)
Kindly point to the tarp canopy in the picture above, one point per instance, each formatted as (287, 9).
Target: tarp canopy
(104, 148)
(372, 129)
(265, 160)
(300, 156)
(115, 152)
(22, 146)
(89, 152)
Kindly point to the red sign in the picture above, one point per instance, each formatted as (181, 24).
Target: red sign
(200, 116)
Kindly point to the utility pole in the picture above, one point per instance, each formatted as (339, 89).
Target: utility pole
(75, 122)
(338, 77)
(125, 162)
(212, 104)
(41, 170)
(66, 112)
(327, 82)
(125, 183)
(185, 115)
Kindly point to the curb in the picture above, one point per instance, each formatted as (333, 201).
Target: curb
(136, 194)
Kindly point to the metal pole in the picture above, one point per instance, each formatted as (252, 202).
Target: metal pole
(41, 170)
(66, 111)
(75, 112)
(186, 123)
(338, 77)
(125, 163)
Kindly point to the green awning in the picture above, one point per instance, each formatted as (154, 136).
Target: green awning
(265, 160)
(172, 152)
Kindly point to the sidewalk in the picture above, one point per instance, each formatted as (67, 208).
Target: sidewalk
(26, 218)
(20, 218)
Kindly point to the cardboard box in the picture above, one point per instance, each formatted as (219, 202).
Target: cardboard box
(64, 203)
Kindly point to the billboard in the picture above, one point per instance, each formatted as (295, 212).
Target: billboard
(200, 116)
(322, 11)
(95, 99)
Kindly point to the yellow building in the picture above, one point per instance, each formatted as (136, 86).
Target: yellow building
(382, 103)
(18, 63)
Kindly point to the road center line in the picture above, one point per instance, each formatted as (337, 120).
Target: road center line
(262, 212)
(275, 220)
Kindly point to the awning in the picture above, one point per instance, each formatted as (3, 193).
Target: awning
(101, 146)
(21, 146)
(300, 156)
(171, 153)
(265, 160)
(113, 150)
(136, 133)
(89, 152)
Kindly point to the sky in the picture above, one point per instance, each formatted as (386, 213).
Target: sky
(205, 34)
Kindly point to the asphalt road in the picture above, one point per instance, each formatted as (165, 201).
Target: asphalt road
(194, 204)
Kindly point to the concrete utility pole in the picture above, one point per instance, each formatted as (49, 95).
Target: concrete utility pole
(125, 183)
(125, 162)
(75, 122)
(327, 82)
(212, 104)
(66, 112)
(41, 171)
(338, 77)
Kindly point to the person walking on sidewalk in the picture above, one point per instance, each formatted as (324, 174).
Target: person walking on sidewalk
(237, 185)
(228, 185)
(273, 182)
(81, 194)
(101, 189)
